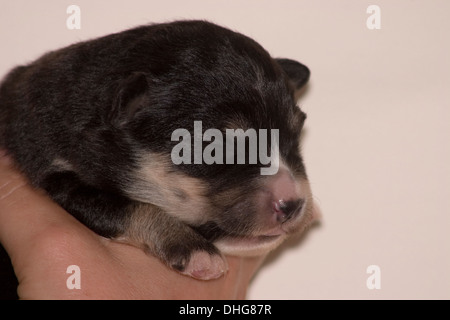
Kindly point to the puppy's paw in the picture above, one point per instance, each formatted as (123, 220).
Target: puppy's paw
(182, 248)
(205, 266)
(197, 263)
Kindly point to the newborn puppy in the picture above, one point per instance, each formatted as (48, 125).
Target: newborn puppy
(180, 138)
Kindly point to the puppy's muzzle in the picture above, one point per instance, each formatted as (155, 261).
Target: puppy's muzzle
(284, 203)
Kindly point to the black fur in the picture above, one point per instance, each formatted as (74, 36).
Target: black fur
(100, 104)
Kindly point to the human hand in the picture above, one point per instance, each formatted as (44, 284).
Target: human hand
(43, 240)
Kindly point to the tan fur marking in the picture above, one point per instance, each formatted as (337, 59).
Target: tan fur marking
(62, 165)
(155, 182)
(144, 223)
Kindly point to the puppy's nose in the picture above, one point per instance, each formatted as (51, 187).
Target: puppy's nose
(284, 210)
(287, 200)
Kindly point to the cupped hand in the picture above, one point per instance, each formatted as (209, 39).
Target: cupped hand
(45, 242)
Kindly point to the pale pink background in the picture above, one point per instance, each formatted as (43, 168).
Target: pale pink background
(377, 142)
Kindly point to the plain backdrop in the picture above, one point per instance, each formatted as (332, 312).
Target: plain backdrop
(376, 142)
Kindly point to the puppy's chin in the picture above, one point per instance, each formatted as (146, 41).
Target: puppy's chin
(249, 246)
(258, 245)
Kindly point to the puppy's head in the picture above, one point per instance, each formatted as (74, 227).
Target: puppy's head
(216, 134)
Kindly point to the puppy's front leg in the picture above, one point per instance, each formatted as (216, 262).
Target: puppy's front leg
(140, 224)
(173, 242)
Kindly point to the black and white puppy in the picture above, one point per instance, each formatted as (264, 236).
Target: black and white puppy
(95, 125)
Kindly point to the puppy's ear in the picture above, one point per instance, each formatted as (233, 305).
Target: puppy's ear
(129, 97)
(297, 73)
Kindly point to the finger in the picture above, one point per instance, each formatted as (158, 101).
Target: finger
(25, 213)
